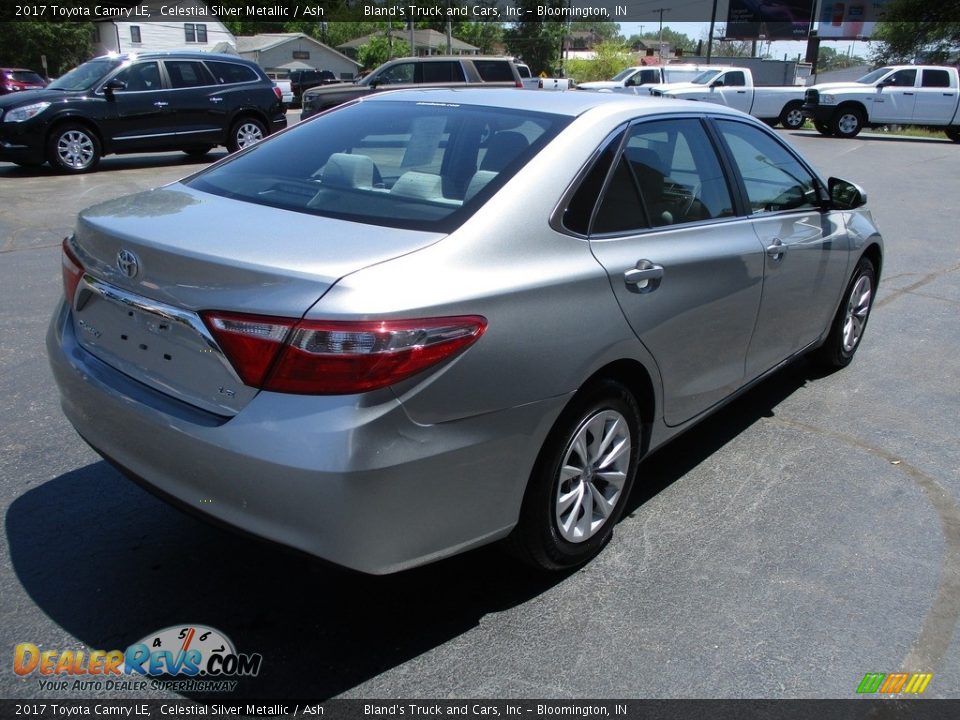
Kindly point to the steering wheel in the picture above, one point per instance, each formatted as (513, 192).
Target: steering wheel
(688, 202)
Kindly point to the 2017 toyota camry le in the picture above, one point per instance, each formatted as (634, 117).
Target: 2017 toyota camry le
(435, 319)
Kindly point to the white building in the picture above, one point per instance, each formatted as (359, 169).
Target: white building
(175, 32)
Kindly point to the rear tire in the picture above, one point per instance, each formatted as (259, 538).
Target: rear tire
(850, 322)
(245, 132)
(847, 122)
(73, 148)
(823, 128)
(581, 480)
(792, 116)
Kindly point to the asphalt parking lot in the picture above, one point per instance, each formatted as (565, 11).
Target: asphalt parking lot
(807, 534)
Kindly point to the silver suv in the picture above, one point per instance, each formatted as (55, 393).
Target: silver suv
(417, 72)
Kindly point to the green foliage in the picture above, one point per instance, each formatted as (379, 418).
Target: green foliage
(487, 36)
(917, 29)
(829, 59)
(601, 29)
(66, 45)
(611, 57)
(379, 50)
(536, 43)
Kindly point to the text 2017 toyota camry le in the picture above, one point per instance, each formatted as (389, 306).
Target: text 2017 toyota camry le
(435, 319)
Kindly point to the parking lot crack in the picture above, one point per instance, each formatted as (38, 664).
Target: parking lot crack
(931, 646)
(926, 279)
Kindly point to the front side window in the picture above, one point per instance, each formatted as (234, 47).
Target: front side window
(399, 164)
(140, 77)
(401, 73)
(667, 174)
(903, 78)
(734, 79)
(774, 179)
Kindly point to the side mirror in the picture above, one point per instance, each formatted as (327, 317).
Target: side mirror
(716, 83)
(115, 84)
(887, 82)
(630, 82)
(845, 195)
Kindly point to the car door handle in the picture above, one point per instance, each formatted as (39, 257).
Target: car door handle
(948, 94)
(776, 250)
(908, 93)
(160, 104)
(645, 277)
(216, 99)
(741, 92)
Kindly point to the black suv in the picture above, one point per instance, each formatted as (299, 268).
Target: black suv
(417, 72)
(148, 102)
(303, 80)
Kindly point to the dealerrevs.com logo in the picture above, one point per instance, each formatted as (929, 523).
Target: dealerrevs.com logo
(183, 658)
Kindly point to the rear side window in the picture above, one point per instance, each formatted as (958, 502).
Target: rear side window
(186, 73)
(401, 164)
(936, 78)
(442, 71)
(494, 70)
(667, 174)
(774, 179)
(226, 73)
(579, 210)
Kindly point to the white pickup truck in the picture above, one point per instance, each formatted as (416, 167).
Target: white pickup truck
(532, 82)
(733, 87)
(631, 79)
(893, 95)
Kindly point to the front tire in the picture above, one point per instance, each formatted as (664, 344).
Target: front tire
(581, 480)
(847, 122)
(73, 148)
(792, 116)
(245, 132)
(849, 323)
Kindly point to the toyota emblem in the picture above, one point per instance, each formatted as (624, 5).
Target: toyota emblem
(127, 263)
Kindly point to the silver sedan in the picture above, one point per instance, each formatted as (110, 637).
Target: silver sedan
(436, 319)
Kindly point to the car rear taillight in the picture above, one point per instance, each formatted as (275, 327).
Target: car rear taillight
(72, 272)
(332, 357)
(518, 83)
(278, 92)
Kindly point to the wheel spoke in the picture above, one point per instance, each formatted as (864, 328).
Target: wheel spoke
(565, 500)
(615, 453)
(601, 503)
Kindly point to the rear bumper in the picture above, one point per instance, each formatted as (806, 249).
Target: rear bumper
(349, 479)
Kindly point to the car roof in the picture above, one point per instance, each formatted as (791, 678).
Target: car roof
(570, 102)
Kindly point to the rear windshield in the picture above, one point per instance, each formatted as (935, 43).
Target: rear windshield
(418, 165)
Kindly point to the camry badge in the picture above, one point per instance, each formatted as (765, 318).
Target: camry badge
(127, 263)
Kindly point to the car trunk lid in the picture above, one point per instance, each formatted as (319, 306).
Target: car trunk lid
(154, 261)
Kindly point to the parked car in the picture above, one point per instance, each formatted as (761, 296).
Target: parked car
(431, 71)
(18, 79)
(926, 95)
(303, 80)
(533, 82)
(631, 78)
(390, 350)
(144, 102)
(733, 87)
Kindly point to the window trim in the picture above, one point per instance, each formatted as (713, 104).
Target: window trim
(194, 28)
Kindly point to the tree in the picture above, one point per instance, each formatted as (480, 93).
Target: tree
(611, 57)
(676, 40)
(536, 42)
(487, 36)
(379, 50)
(730, 48)
(917, 29)
(66, 45)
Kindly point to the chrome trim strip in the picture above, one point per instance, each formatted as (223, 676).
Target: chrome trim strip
(169, 134)
(161, 310)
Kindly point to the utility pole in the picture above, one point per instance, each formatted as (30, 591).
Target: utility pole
(660, 33)
(713, 20)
